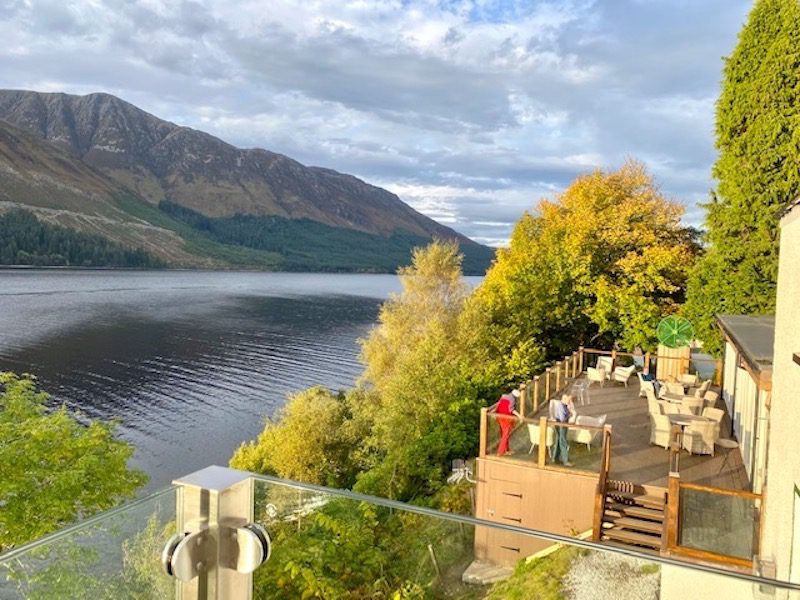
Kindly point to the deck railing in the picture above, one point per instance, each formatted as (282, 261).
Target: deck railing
(535, 392)
(710, 523)
(649, 361)
(590, 445)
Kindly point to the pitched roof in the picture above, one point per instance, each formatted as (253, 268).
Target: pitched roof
(753, 336)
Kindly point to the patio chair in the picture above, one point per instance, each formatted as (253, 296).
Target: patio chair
(534, 434)
(699, 438)
(655, 407)
(586, 436)
(710, 399)
(643, 385)
(701, 391)
(690, 379)
(605, 363)
(694, 405)
(660, 429)
(624, 373)
(714, 413)
(672, 388)
(599, 375)
(670, 408)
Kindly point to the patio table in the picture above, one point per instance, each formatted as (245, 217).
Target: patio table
(684, 421)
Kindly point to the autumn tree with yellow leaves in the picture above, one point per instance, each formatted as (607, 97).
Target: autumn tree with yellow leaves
(600, 263)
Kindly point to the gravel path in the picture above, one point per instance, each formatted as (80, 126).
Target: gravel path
(602, 575)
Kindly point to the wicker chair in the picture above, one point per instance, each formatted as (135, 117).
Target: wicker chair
(660, 429)
(699, 438)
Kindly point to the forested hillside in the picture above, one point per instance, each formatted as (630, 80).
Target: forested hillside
(303, 244)
(24, 240)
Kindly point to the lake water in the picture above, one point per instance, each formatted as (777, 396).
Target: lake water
(189, 362)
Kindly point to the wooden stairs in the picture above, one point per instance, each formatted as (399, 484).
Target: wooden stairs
(633, 516)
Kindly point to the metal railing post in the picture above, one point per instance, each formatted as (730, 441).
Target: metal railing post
(215, 501)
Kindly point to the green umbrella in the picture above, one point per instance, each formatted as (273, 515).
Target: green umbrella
(675, 332)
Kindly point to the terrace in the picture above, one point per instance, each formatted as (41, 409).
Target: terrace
(633, 457)
(617, 486)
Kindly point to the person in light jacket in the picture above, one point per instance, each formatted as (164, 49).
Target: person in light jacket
(564, 413)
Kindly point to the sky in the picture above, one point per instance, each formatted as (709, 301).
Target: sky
(471, 111)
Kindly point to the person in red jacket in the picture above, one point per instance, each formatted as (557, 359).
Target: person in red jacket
(506, 405)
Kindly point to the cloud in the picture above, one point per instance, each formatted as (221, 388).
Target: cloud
(470, 110)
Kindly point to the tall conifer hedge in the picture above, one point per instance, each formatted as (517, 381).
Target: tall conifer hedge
(758, 169)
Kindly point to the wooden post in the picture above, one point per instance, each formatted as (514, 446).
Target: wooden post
(613, 360)
(535, 394)
(542, 441)
(484, 430)
(575, 372)
(547, 384)
(558, 377)
(602, 483)
(523, 394)
(580, 358)
(717, 372)
(566, 369)
(646, 368)
(672, 516)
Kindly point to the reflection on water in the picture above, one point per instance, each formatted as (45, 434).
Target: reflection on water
(190, 362)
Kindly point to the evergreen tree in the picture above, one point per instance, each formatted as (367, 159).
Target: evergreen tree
(758, 170)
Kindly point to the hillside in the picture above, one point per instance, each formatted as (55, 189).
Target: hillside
(157, 161)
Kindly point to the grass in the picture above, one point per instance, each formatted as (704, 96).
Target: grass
(539, 579)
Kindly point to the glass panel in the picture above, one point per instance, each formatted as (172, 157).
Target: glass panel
(508, 437)
(335, 544)
(116, 554)
(718, 523)
(575, 447)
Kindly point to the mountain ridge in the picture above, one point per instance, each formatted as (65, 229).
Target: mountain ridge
(172, 162)
(124, 156)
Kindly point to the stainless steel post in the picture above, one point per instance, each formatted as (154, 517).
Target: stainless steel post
(218, 502)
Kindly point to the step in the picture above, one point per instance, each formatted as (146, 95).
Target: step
(632, 537)
(628, 547)
(632, 524)
(644, 500)
(639, 512)
(484, 573)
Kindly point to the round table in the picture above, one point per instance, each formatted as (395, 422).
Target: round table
(684, 420)
(728, 446)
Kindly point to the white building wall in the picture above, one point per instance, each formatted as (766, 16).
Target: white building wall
(783, 449)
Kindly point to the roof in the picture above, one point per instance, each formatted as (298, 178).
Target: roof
(792, 205)
(753, 336)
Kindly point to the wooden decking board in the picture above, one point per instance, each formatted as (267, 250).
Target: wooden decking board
(632, 537)
(638, 511)
(638, 525)
(632, 456)
(655, 502)
(640, 549)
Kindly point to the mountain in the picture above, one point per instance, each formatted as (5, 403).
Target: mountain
(101, 149)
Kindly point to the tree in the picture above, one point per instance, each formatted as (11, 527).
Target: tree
(314, 438)
(427, 408)
(55, 469)
(758, 172)
(605, 259)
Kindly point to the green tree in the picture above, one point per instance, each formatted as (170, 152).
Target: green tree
(758, 137)
(600, 263)
(54, 469)
(426, 407)
(316, 437)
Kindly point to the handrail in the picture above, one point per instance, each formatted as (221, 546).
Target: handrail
(657, 356)
(720, 491)
(550, 422)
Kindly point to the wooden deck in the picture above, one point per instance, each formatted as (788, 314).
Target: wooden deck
(632, 457)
